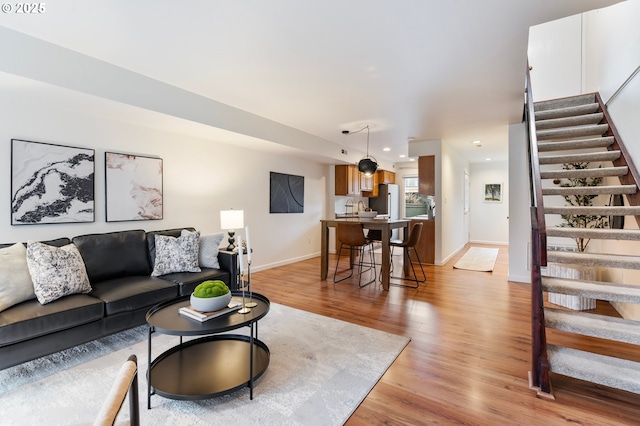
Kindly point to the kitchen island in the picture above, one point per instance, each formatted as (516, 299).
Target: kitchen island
(383, 225)
(426, 246)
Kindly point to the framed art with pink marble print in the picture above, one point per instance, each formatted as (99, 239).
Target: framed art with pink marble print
(51, 183)
(133, 187)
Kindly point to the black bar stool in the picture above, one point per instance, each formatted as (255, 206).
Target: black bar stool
(410, 245)
(352, 236)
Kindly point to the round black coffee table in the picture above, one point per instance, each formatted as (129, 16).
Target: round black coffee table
(207, 366)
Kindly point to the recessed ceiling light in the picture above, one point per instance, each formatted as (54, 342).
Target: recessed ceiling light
(487, 159)
(402, 155)
(386, 149)
(476, 142)
(412, 159)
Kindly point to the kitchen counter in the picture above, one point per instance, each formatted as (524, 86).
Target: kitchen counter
(426, 246)
(344, 215)
(421, 217)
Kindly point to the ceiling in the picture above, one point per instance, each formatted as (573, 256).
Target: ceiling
(410, 69)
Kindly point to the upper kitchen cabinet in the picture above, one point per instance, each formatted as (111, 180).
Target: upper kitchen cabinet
(369, 185)
(347, 179)
(386, 177)
(427, 175)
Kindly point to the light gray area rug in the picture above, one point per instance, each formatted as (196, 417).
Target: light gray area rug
(478, 259)
(320, 371)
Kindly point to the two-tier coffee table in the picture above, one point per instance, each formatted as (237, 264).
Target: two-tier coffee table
(211, 365)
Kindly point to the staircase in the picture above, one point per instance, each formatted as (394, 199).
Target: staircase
(578, 130)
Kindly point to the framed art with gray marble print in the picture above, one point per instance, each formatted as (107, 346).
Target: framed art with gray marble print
(51, 183)
(133, 186)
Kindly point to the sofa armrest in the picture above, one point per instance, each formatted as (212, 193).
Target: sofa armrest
(228, 262)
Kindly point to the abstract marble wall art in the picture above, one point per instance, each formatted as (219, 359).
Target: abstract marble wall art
(286, 193)
(133, 187)
(51, 183)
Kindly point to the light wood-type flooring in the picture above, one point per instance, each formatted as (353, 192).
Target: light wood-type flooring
(468, 359)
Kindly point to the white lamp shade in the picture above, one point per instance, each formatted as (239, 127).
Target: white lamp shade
(231, 219)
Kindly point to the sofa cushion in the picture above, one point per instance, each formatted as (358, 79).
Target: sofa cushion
(131, 293)
(208, 250)
(176, 254)
(114, 255)
(151, 241)
(15, 284)
(187, 281)
(56, 271)
(30, 319)
(58, 242)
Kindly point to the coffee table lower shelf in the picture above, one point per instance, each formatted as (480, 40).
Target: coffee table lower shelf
(207, 367)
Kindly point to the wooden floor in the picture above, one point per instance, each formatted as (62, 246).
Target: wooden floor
(468, 359)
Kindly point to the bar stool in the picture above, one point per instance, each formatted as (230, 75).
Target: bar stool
(410, 245)
(352, 236)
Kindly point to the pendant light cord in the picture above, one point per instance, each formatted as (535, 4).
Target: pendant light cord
(358, 131)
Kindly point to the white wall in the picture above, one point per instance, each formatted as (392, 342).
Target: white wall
(612, 43)
(489, 220)
(201, 177)
(555, 54)
(519, 202)
(454, 230)
(612, 46)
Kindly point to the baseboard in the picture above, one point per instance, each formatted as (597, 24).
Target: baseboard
(448, 258)
(285, 262)
(525, 279)
(495, 243)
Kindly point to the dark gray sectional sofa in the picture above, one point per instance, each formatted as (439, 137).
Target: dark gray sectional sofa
(119, 266)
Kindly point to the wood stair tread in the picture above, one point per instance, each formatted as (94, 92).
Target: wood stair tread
(565, 122)
(590, 190)
(572, 132)
(584, 173)
(588, 324)
(567, 111)
(580, 158)
(594, 211)
(607, 371)
(594, 233)
(599, 142)
(595, 259)
(572, 101)
(612, 292)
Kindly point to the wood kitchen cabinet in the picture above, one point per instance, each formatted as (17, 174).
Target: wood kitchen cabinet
(426, 246)
(427, 175)
(385, 176)
(347, 179)
(369, 185)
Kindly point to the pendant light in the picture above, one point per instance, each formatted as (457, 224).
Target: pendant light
(367, 164)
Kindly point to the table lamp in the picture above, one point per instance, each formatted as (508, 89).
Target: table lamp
(231, 220)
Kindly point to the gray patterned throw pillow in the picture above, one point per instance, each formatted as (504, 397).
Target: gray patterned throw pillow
(56, 271)
(176, 254)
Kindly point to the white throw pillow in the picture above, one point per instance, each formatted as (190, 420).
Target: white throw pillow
(15, 284)
(176, 254)
(209, 247)
(56, 271)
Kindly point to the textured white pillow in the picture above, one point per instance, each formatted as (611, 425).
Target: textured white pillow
(176, 254)
(15, 285)
(209, 247)
(56, 271)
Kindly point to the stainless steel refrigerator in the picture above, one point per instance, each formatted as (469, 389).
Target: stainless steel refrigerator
(387, 203)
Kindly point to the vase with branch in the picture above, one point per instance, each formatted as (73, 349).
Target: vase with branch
(579, 200)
